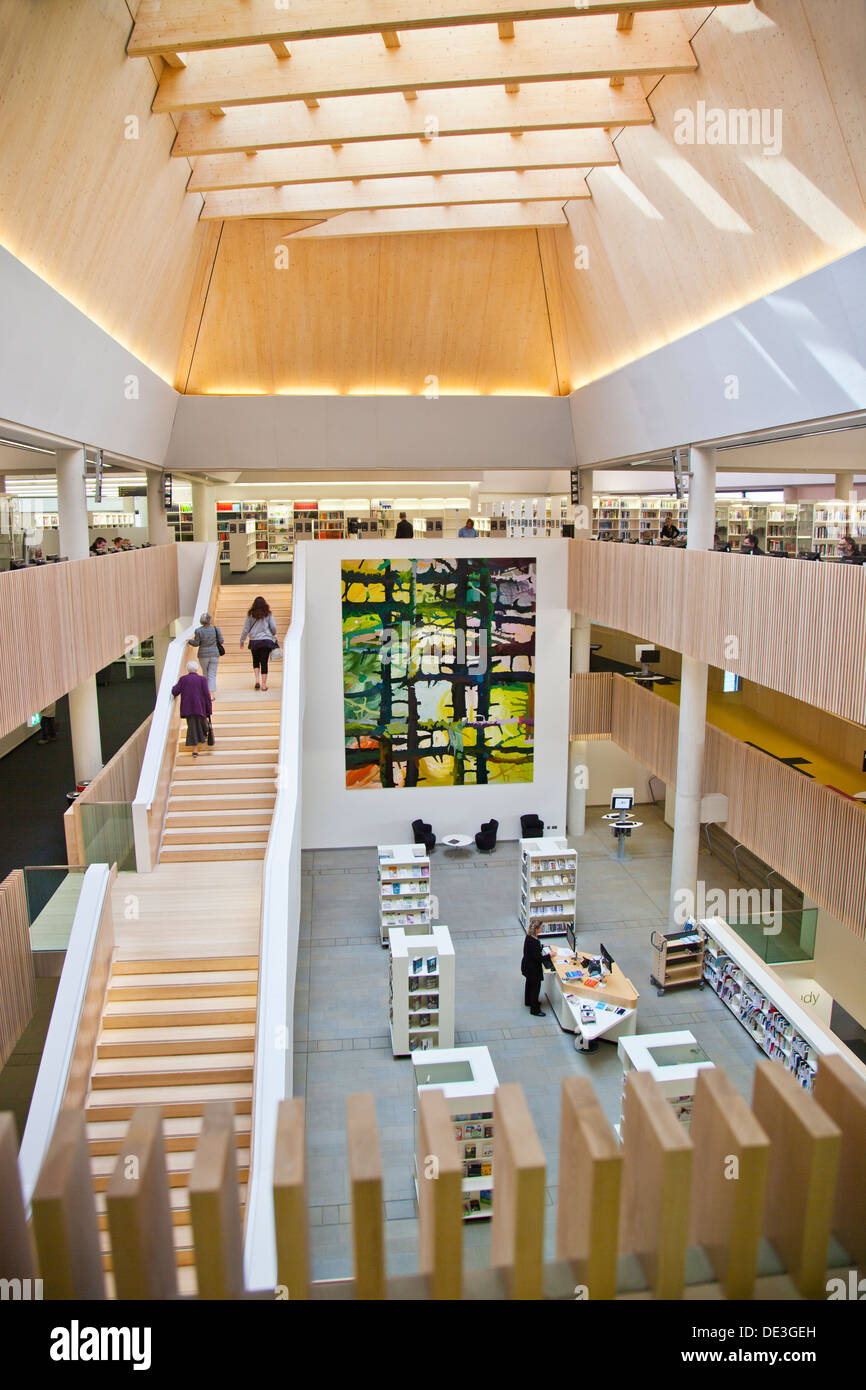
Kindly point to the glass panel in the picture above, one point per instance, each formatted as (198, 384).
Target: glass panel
(790, 937)
(106, 829)
(678, 1054)
(440, 1073)
(52, 897)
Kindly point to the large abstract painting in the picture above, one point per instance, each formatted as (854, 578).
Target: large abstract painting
(438, 671)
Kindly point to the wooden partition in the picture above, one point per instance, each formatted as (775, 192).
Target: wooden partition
(17, 980)
(116, 783)
(798, 627)
(809, 833)
(84, 1049)
(788, 1202)
(87, 613)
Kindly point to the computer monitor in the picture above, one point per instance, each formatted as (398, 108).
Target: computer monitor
(622, 798)
(606, 957)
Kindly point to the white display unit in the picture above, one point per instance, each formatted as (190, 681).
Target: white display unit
(756, 997)
(467, 1080)
(242, 547)
(421, 991)
(548, 885)
(404, 889)
(673, 1060)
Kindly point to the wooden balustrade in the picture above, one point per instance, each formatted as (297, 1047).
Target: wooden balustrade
(115, 784)
(61, 623)
(809, 833)
(654, 1193)
(17, 980)
(795, 627)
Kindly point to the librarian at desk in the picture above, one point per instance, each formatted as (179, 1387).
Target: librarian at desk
(532, 971)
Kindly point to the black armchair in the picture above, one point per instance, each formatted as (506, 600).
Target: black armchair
(423, 834)
(531, 827)
(485, 838)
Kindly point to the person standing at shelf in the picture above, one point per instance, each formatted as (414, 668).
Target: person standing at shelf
(468, 531)
(261, 630)
(195, 706)
(670, 531)
(532, 970)
(405, 531)
(209, 641)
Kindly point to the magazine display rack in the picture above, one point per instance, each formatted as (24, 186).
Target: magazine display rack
(404, 889)
(421, 991)
(548, 886)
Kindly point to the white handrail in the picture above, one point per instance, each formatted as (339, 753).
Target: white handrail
(154, 752)
(57, 1053)
(278, 952)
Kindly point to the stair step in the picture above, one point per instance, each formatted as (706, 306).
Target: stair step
(191, 854)
(215, 833)
(175, 1180)
(179, 1012)
(237, 741)
(118, 994)
(181, 1041)
(186, 1099)
(144, 977)
(261, 815)
(183, 1246)
(250, 801)
(107, 1136)
(178, 1200)
(162, 1073)
(220, 757)
(184, 965)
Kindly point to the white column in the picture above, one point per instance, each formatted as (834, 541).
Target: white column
(158, 532)
(845, 487)
(693, 703)
(577, 762)
(204, 527)
(75, 545)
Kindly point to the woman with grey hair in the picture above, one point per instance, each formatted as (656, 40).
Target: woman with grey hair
(195, 706)
(209, 641)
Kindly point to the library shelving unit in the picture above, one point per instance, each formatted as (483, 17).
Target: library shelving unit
(548, 886)
(833, 521)
(420, 990)
(467, 1080)
(404, 889)
(678, 958)
(281, 530)
(756, 997)
(242, 546)
(782, 527)
(330, 526)
(673, 1060)
(180, 518)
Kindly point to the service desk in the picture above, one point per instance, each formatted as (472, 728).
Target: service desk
(612, 997)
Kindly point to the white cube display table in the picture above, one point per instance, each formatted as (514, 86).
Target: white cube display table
(421, 1005)
(673, 1060)
(467, 1080)
(612, 1000)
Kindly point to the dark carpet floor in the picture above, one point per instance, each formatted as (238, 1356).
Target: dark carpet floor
(275, 573)
(34, 778)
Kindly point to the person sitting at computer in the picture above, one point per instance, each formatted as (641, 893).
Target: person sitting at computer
(669, 531)
(849, 553)
(532, 970)
(750, 545)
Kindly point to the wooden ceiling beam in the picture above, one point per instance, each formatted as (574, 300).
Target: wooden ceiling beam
(192, 25)
(549, 50)
(463, 111)
(324, 199)
(556, 149)
(459, 217)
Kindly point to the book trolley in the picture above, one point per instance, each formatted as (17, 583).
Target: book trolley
(678, 958)
(404, 889)
(467, 1080)
(548, 886)
(420, 991)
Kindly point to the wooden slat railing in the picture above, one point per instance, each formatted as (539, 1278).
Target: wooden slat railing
(591, 694)
(786, 616)
(115, 784)
(89, 612)
(811, 835)
(793, 1156)
(17, 979)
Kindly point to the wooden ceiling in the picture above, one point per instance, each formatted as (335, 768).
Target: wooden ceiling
(366, 117)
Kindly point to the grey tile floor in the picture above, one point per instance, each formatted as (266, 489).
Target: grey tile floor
(341, 1012)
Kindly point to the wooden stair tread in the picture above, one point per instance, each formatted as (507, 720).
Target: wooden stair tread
(180, 854)
(177, 975)
(182, 1126)
(119, 1103)
(169, 1065)
(183, 1041)
(174, 965)
(172, 1013)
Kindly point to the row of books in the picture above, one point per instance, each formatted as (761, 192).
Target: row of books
(423, 982)
(476, 1204)
(423, 1043)
(477, 1170)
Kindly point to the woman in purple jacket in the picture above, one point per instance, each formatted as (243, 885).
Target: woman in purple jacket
(195, 706)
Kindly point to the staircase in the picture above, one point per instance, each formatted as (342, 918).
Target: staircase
(174, 1033)
(220, 803)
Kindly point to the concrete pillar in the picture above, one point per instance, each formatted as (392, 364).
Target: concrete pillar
(845, 487)
(577, 762)
(158, 532)
(473, 501)
(204, 527)
(75, 545)
(693, 705)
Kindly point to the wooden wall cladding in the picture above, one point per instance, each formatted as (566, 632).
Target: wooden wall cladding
(810, 834)
(17, 981)
(796, 627)
(812, 725)
(117, 782)
(61, 623)
(373, 315)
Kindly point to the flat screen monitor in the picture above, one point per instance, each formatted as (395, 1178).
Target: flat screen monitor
(606, 957)
(621, 802)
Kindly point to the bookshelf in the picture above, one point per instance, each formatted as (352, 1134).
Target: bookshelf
(548, 886)
(404, 889)
(466, 1077)
(757, 998)
(180, 519)
(420, 990)
(673, 1060)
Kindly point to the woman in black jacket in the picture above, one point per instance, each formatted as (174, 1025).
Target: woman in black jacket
(532, 971)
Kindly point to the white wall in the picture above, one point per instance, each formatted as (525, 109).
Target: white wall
(798, 354)
(190, 558)
(608, 767)
(840, 964)
(61, 373)
(364, 433)
(336, 817)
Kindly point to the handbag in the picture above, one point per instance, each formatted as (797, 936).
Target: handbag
(219, 646)
(210, 735)
(276, 652)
